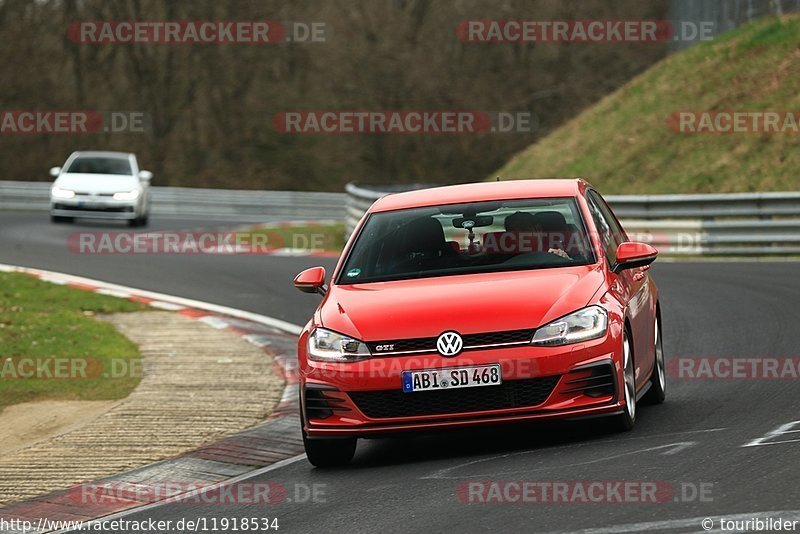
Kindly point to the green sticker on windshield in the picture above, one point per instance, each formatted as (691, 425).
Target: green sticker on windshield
(352, 273)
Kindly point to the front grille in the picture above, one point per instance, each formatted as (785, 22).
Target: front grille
(512, 394)
(404, 345)
(510, 336)
(470, 341)
(114, 209)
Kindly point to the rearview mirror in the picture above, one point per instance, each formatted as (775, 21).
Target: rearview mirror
(145, 176)
(55, 171)
(634, 254)
(476, 221)
(311, 281)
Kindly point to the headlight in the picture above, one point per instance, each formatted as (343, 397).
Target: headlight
(127, 195)
(327, 346)
(583, 325)
(57, 192)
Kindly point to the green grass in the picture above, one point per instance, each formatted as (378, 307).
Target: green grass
(328, 237)
(624, 145)
(53, 324)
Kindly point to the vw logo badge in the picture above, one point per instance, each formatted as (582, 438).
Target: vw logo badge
(449, 344)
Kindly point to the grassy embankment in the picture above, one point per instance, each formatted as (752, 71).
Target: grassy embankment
(51, 347)
(625, 144)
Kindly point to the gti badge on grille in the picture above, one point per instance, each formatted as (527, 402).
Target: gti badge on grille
(449, 344)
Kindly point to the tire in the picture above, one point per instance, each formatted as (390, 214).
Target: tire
(658, 380)
(58, 219)
(325, 452)
(138, 221)
(626, 420)
(329, 452)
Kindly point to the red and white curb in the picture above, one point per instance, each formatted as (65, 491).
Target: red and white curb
(288, 251)
(157, 300)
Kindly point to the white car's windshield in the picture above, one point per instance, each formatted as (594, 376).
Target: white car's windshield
(100, 165)
(468, 238)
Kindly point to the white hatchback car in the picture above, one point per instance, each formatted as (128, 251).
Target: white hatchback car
(101, 185)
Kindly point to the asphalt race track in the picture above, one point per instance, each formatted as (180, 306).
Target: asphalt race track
(260, 284)
(692, 443)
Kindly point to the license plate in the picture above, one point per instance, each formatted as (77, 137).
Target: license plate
(452, 378)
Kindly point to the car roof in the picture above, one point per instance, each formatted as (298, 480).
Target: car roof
(480, 191)
(103, 154)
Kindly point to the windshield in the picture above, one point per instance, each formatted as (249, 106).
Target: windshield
(469, 238)
(95, 165)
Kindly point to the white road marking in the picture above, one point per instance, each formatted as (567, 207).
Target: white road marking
(214, 322)
(652, 436)
(166, 305)
(679, 448)
(114, 293)
(259, 340)
(443, 473)
(780, 431)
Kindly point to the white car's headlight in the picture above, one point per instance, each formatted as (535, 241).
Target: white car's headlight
(127, 195)
(57, 192)
(582, 325)
(327, 346)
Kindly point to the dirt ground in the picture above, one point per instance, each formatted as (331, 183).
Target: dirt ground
(22, 425)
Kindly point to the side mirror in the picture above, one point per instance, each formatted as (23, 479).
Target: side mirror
(55, 171)
(311, 281)
(633, 254)
(145, 176)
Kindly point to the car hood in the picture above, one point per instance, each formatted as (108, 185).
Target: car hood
(97, 183)
(468, 304)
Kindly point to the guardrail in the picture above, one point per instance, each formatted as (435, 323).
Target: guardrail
(703, 225)
(196, 202)
(720, 224)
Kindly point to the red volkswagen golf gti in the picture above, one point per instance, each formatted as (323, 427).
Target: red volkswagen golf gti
(477, 304)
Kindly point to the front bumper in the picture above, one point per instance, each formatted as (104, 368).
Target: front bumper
(105, 208)
(364, 399)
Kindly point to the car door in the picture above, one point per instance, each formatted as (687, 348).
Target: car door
(631, 286)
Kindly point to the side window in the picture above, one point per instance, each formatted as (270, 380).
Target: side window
(605, 227)
(616, 227)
